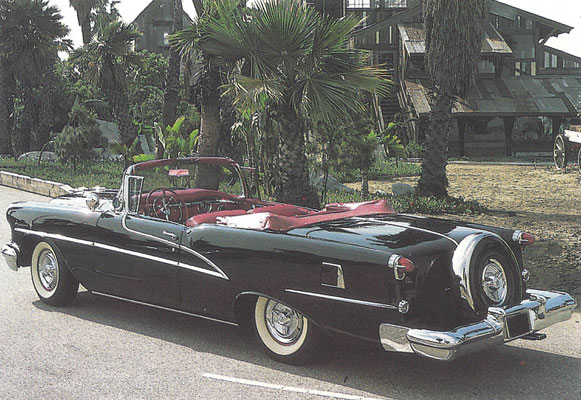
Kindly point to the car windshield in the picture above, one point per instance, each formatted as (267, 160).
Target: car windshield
(183, 175)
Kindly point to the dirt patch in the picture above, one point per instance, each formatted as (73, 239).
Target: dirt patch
(538, 200)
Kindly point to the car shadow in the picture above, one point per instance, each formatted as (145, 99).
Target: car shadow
(502, 372)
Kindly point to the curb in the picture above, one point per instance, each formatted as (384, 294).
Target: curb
(34, 185)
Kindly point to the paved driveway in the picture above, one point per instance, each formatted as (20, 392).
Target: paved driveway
(109, 349)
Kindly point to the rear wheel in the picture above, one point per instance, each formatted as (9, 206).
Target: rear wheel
(287, 335)
(52, 280)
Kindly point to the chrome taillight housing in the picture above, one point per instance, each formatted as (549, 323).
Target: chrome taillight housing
(400, 266)
(523, 239)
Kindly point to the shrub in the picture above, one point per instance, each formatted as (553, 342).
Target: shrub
(416, 204)
(379, 170)
(73, 146)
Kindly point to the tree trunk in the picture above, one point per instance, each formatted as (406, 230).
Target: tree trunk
(172, 79)
(364, 184)
(22, 140)
(198, 5)
(86, 30)
(433, 180)
(293, 184)
(5, 109)
(120, 105)
(208, 139)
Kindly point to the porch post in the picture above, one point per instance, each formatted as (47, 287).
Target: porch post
(508, 127)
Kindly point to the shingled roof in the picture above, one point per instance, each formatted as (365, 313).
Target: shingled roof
(510, 96)
(413, 36)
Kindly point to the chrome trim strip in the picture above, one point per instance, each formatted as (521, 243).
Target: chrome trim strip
(165, 308)
(124, 251)
(343, 299)
(408, 226)
(221, 273)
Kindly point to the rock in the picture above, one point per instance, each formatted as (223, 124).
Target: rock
(333, 185)
(402, 189)
(33, 155)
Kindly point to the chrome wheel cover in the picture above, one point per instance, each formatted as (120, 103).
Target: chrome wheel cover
(48, 270)
(494, 283)
(284, 324)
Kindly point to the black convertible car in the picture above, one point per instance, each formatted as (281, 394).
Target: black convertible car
(185, 235)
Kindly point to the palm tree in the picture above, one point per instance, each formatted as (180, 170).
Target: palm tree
(454, 32)
(83, 8)
(172, 80)
(209, 70)
(300, 62)
(32, 35)
(107, 57)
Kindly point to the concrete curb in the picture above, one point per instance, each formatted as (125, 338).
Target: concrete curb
(34, 185)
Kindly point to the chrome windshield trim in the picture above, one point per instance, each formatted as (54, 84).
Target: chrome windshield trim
(124, 251)
(403, 225)
(343, 299)
(219, 272)
(165, 308)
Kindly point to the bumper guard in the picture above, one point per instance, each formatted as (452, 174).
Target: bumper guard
(541, 310)
(11, 253)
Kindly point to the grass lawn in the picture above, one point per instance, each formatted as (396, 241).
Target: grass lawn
(106, 174)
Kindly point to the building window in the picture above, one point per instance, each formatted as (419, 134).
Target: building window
(533, 68)
(550, 60)
(390, 32)
(528, 24)
(377, 37)
(496, 21)
(517, 68)
(166, 38)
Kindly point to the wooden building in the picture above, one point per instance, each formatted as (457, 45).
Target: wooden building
(155, 23)
(525, 90)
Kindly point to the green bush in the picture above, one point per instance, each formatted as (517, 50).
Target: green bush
(414, 149)
(106, 174)
(379, 170)
(73, 147)
(415, 204)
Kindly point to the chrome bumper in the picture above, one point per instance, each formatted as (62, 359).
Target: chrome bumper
(11, 253)
(541, 310)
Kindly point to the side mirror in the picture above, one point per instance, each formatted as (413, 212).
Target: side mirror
(92, 201)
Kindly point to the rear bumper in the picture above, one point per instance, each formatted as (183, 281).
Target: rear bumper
(541, 310)
(11, 253)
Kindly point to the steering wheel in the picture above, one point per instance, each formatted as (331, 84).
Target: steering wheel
(161, 206)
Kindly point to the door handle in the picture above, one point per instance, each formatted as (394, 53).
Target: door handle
(172, 236)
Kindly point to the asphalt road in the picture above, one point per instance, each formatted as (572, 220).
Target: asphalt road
(102, 348)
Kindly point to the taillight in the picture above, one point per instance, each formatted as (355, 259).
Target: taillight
(523, 238)
(400, 266)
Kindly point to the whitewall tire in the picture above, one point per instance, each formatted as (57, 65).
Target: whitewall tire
(52, 280)
(287, 335)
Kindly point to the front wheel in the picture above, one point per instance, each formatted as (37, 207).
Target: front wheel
(287, 335)
(561, 152)
(52, 280)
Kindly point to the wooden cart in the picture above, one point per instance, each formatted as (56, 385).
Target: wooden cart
(567, 145)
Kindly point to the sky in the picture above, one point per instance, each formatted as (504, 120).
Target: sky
(565, 11)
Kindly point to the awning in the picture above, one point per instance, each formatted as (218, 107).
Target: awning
(511, 96)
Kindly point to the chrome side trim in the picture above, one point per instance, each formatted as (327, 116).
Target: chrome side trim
(165, 308)
(221, 273)
(124, 251)
(462, 257)
(343, 299)
(402, 225)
